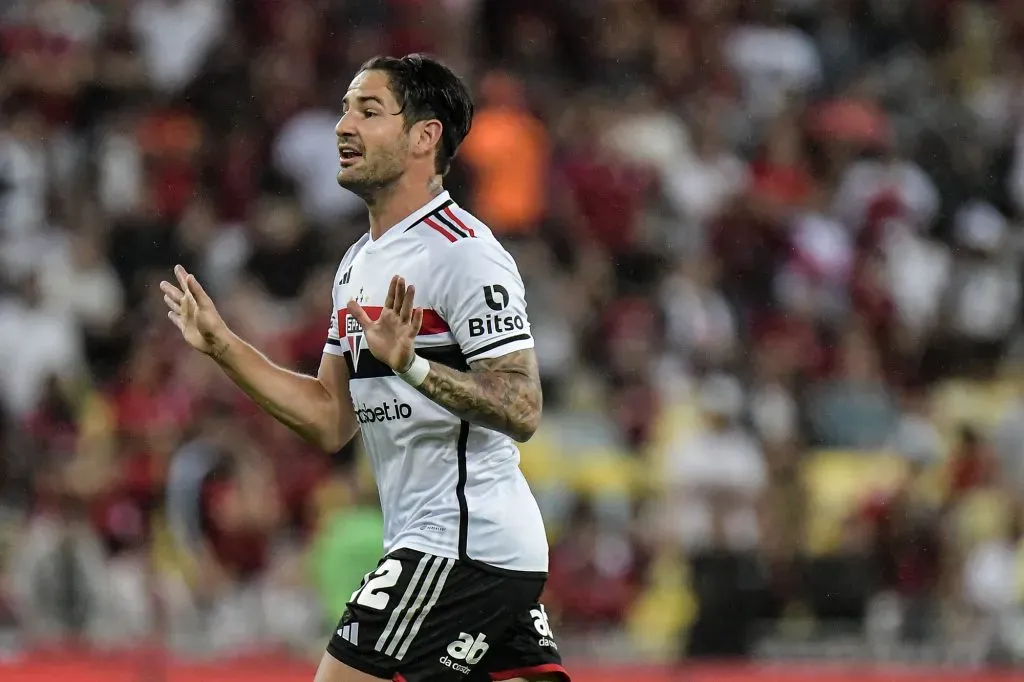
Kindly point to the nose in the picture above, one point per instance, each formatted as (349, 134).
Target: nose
(345, 126)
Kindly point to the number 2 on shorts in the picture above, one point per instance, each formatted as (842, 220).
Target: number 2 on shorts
(371, 593)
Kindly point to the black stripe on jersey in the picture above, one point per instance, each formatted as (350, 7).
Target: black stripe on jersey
(460, 490)
(450, 224)
(372, 368)
(333, 342)
(433, 214)
(497, 344)
(461, 449)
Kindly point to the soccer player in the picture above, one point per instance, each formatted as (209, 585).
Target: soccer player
(429, 354)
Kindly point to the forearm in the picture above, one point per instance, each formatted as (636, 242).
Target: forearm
(298, 401)
(506, 401)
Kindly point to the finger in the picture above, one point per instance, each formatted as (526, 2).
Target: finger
(392, 287)
(405, 314)
(182, 274)
(197, 291)
(356, 311)
(176, 319)
(417, 320)
(171, 290)
(399, 296)
(172, 304)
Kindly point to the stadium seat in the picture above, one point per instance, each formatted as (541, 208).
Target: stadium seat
(982, 404)
(837, 481)
(665, 608)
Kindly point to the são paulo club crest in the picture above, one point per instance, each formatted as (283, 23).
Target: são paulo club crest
(354, 332)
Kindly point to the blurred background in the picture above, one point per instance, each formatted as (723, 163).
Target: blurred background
(773, 250)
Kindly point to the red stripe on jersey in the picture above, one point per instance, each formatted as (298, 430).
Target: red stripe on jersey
(432, 322)
(451, 214)
(445, 233)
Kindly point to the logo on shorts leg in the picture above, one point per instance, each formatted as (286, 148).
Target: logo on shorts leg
(466, 648)
(350, 633)
(543, 627)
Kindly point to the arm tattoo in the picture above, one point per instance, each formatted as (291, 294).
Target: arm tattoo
(502, 394)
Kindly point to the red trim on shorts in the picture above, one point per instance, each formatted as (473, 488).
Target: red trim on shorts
(531, 670)
(398, 678)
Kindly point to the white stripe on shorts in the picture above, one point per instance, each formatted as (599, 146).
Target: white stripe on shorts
(426, 609)
(421, 597)
(406, 597)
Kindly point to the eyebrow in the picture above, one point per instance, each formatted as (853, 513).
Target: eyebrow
(365, 99)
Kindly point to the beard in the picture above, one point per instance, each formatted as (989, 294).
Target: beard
(375, 172)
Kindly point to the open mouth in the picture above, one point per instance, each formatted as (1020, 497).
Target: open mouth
(348, 156)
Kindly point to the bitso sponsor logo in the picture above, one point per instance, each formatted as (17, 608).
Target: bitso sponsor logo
(495, 324)
(466, 648)
(385, 412)
(496, 297)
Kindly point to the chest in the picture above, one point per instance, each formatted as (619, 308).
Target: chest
(367, 277)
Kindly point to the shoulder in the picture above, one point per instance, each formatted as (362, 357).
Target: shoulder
(455, 239)
(350, 255)
(354, 250)
(341, 275)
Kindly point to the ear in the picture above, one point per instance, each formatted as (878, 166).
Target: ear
(426, 137)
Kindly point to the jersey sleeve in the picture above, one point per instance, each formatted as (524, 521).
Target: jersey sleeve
(336, 343)
(483, 300)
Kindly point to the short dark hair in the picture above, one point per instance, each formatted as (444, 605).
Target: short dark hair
(427, 89)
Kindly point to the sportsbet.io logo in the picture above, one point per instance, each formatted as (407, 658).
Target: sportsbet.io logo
(497, 299)
(385, 412)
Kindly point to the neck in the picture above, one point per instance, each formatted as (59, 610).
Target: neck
(393, 204)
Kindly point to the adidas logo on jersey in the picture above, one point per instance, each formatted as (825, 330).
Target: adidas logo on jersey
(385, 412)
(466, 648)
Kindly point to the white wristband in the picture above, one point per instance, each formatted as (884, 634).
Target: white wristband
(417, 372)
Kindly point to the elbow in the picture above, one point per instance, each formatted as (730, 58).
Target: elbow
(521, 434)
(329, 444)
(524, 428)
(334, 439)
(333, 432)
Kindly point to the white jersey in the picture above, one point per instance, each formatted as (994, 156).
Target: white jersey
(446, 487)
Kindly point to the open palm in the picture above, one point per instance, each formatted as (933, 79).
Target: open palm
(192, 311)
(392, 336)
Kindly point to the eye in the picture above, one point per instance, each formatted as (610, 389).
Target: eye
(369, 113)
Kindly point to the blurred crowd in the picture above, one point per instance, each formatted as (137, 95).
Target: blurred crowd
(773, 253)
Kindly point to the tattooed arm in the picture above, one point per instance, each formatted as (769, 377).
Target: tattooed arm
(501, 393)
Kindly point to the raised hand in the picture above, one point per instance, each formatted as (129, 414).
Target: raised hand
(192, 311)
(392, 336)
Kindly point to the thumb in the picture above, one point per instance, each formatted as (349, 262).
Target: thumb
(198, 293)
(356, 311)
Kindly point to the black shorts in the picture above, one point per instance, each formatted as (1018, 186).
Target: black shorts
(423, 618)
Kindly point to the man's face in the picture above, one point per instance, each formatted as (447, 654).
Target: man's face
(373, 143)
